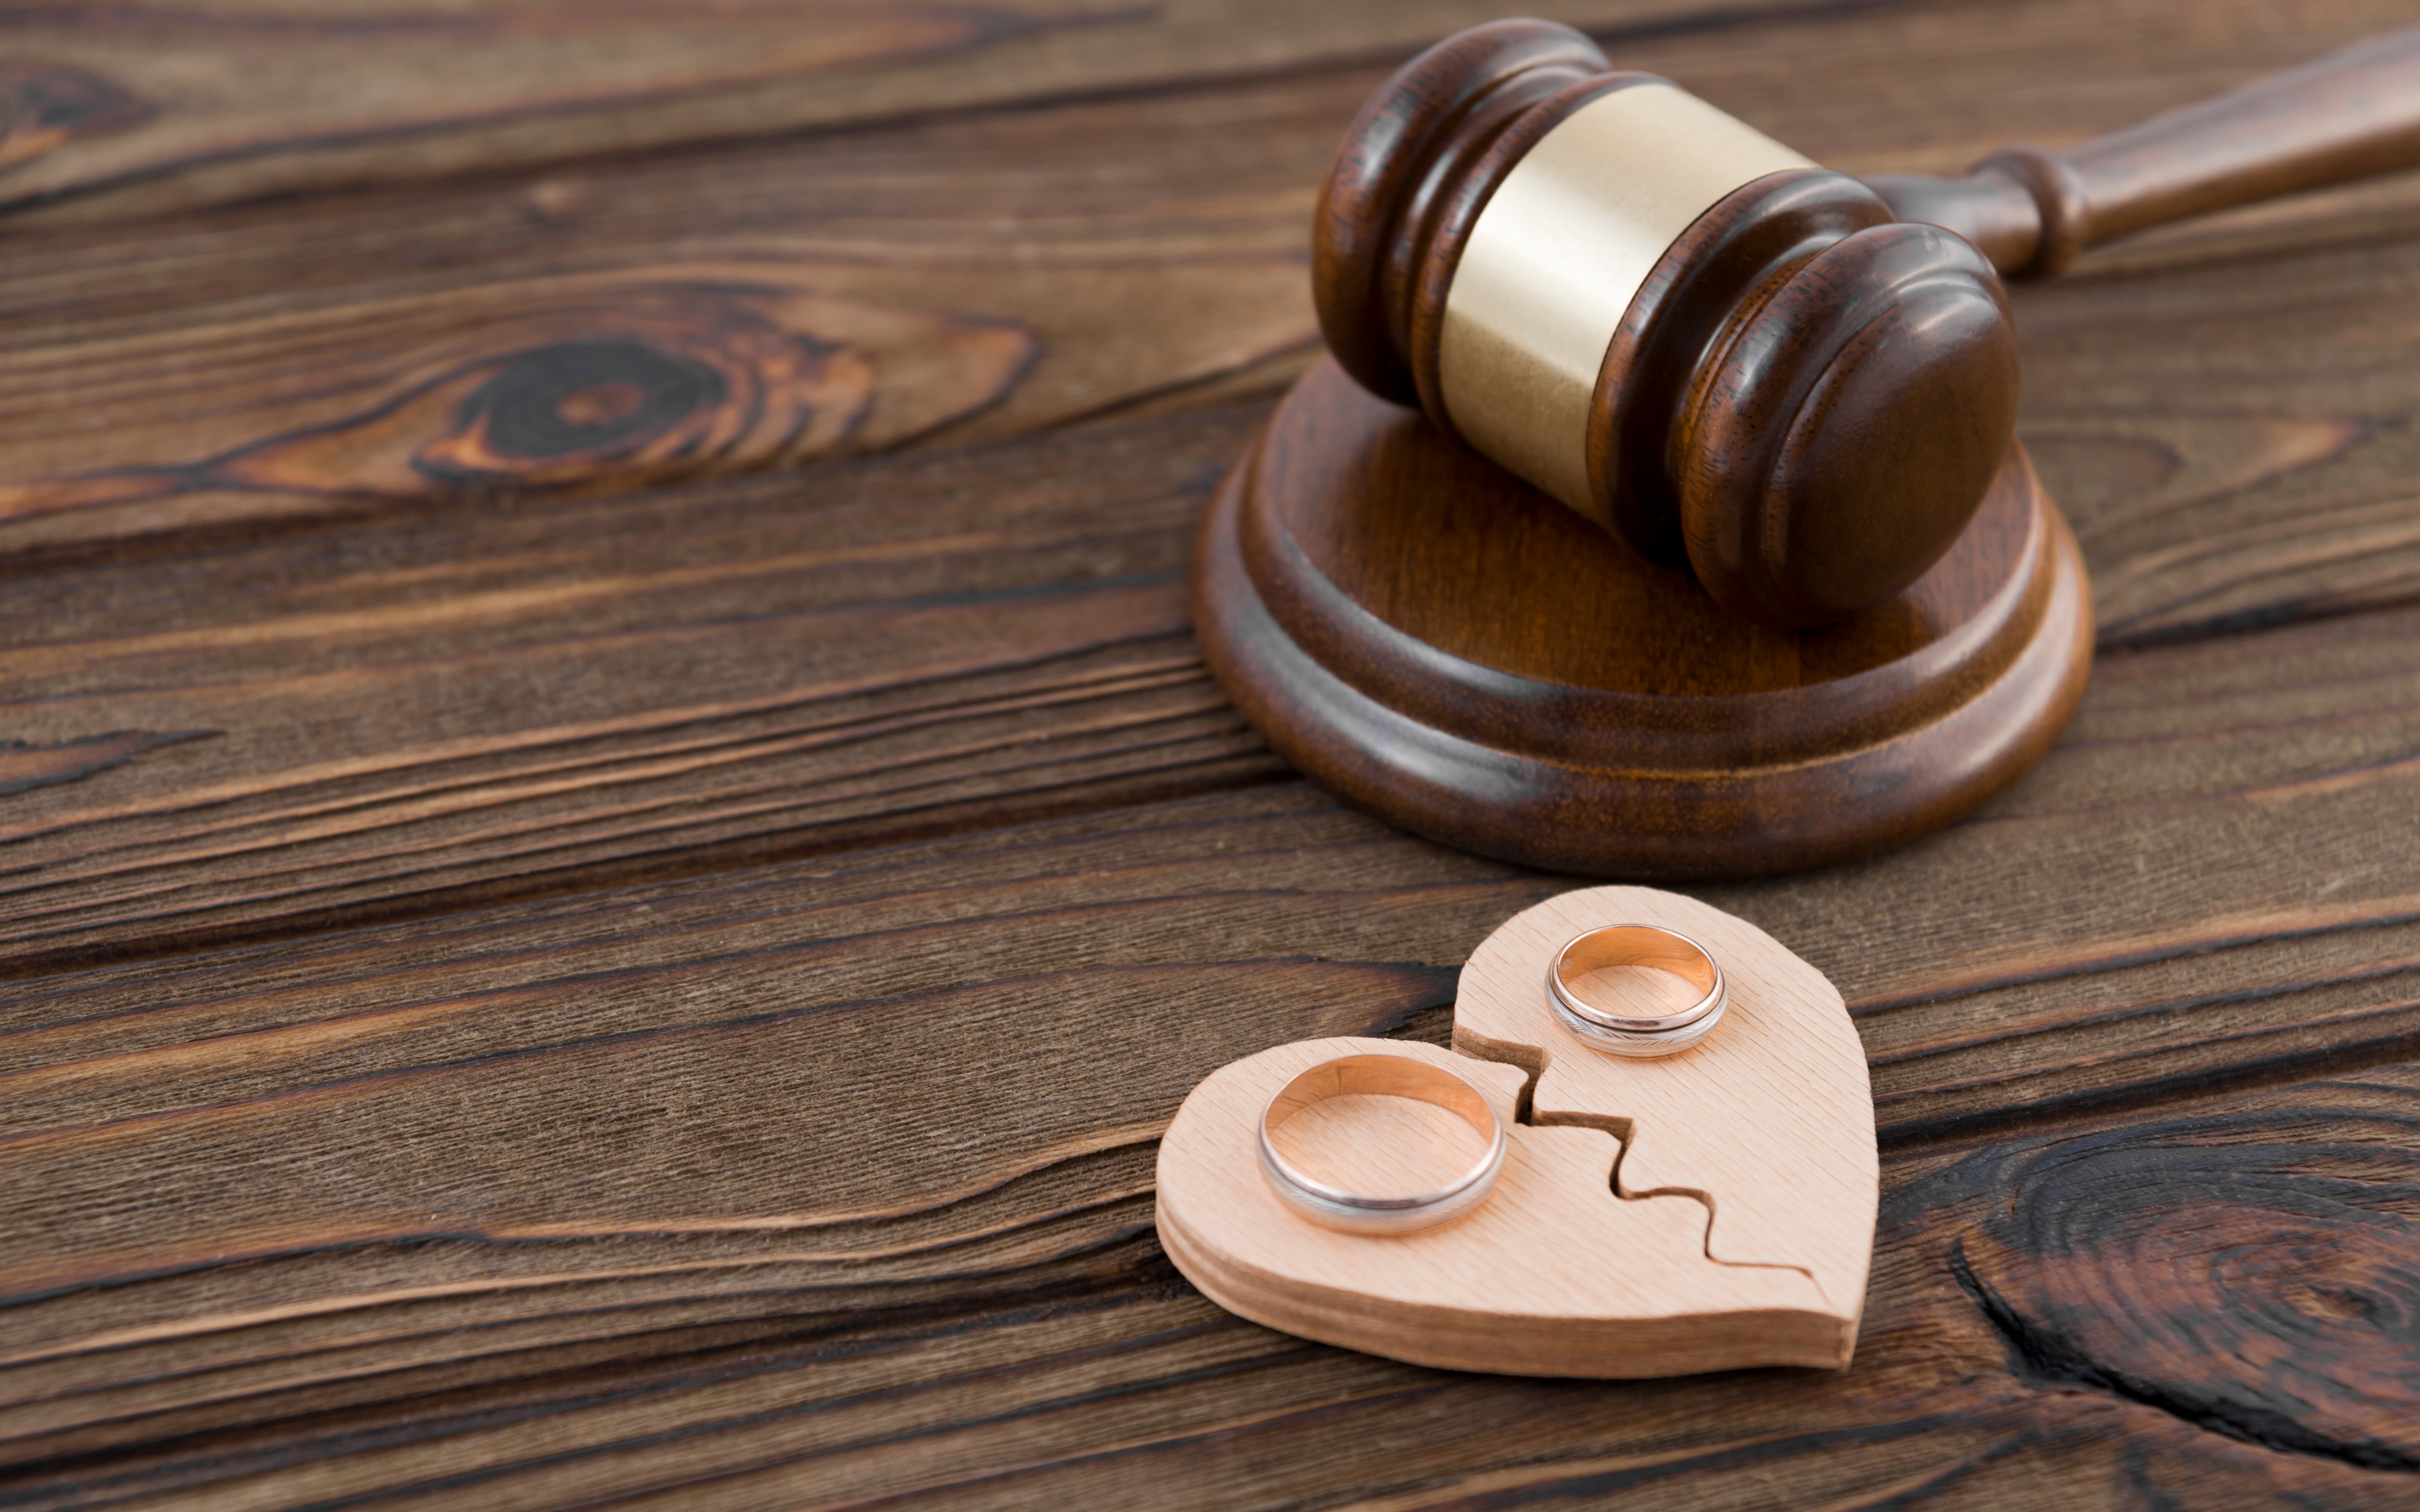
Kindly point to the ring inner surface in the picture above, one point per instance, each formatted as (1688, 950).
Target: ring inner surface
(1634, 973)
(1393, 1130)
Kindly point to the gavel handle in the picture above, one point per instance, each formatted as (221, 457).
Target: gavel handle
(2351, 115)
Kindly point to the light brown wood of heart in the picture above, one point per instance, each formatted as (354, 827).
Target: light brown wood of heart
(1769, 1119)
(1735, 1228)
(1808, 393)
(1554, 1274)
(1435, 640)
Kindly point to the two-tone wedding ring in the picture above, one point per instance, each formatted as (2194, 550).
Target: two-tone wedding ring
(1390, 1076)
(1580, 1007)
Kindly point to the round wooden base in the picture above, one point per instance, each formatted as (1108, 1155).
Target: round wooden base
(1424, 633)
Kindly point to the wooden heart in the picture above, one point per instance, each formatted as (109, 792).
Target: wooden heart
(1595, 1255)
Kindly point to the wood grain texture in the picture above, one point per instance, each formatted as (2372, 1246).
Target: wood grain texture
(1147, 273)
(145, 109)
(2124, 953)
(377, 751)
(1019, 1378)
(443, 1078)
(719, 673)
(577, 353)
(535, 384)
(218, 100)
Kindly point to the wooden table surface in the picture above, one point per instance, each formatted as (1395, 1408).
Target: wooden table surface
(614, 844)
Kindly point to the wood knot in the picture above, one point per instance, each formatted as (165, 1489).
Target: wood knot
(2267, 1291)
(44, 104)
(638, 383)
(579, 405)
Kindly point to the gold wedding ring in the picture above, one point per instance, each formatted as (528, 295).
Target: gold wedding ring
(1389, 1076)
(1629, 1033)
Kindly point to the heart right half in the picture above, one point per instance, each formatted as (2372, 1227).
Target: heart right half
(1769, 1122)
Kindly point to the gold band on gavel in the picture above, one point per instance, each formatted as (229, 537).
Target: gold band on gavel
(1558, 253)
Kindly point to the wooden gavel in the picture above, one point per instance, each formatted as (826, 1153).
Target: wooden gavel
(1798, 383)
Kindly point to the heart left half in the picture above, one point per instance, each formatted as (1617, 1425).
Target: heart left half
(1554, 1274)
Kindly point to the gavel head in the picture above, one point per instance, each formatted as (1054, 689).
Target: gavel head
(1684, 330)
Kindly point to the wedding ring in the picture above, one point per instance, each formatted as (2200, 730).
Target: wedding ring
(1635, 945)
(1389, 1076)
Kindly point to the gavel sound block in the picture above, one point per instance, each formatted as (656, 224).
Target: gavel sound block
(1710, 1210)
(1708, 551)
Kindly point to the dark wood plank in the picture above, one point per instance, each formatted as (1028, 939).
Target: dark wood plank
(616, 323)
(774, 667)
(2210, 872)
(215, 100)
(834, 298)
(2249, 418)
(135, 110)
(492, 943)
(600, 1114)
(339, 724)
(1988, 1372)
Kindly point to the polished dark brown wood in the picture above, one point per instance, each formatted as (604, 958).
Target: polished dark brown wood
(1441, 644)
(1812, 392)
(2352, 115)
(1806, 402)
(1413, 172)
(489, 970)
(1825, 403)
